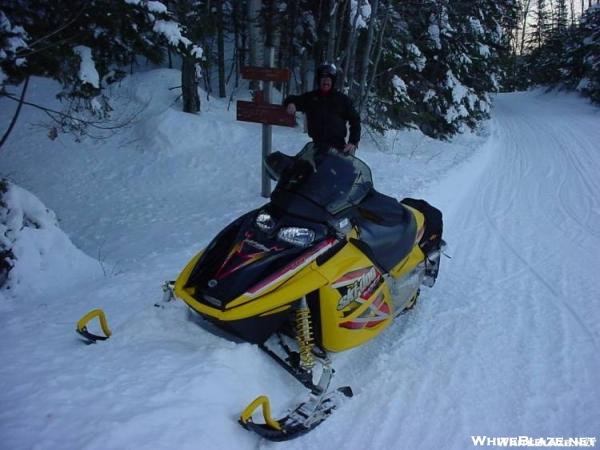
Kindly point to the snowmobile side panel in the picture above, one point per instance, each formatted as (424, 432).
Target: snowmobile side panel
(414, 258)
(255, 330)
(355, 306)
(180, 290)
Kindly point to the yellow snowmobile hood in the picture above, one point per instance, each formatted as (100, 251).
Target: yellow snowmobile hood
(274, 294)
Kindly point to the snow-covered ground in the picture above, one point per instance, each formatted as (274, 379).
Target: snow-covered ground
(506, 343)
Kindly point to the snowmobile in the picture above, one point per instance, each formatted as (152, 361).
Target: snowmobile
(324, 266)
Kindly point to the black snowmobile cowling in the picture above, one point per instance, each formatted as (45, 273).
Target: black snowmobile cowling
(324, 266)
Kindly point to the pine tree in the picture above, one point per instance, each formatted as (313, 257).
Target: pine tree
(88, 45)
(445, 58)
(427, 64)
(200, 22)
(588, 53)
(540, 26)
(548, 62)
(561, 17)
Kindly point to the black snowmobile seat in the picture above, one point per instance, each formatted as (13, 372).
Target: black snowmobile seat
(387, 229)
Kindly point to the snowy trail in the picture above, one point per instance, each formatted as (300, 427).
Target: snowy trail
(506, 344)
(536, 253)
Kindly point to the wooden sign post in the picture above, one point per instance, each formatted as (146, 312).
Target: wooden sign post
(262, 111)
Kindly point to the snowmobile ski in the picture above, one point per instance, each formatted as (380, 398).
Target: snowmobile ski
(307, 415)
(304, 418)
(90, 337)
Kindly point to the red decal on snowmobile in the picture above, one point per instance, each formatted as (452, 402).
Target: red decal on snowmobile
(238, 258)
(376, 313)
(293, 267)
(350, 277)
(361, 286)
(371, 288)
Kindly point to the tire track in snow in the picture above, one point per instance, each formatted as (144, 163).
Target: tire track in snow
(507, 192)
(555, 293)
(586, 177)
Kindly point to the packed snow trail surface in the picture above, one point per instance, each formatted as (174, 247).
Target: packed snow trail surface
(505, 344)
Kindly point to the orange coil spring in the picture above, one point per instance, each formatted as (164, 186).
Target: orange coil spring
(304, 335)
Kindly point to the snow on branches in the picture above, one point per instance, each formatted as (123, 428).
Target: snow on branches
(86, 48)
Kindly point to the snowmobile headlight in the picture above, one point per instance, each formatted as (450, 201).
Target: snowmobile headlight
(265, 222)
(344, 225)
(301, 237)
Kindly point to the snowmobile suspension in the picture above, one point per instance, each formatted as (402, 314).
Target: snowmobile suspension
(304, 335)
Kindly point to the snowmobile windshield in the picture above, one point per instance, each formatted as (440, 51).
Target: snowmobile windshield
(331, 179)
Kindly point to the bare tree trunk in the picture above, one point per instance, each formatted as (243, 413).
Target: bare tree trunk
(363, 100)
(289, 59)
(304, 71)
(523, 33)
(343, 20)
(238, 37)
(350, 49)
(304, 82)
(221, 50)
(332, 11)
(367, 53)
(17, 112)
(169, 56)
(352, 62)
(321, 35)
(254, 7)
(189, 85)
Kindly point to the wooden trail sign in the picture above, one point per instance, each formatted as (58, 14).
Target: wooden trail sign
(265, 73)
(262, 111)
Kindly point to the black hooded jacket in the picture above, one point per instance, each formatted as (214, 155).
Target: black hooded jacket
(327, 115)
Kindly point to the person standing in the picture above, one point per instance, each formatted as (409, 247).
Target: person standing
(329, 113)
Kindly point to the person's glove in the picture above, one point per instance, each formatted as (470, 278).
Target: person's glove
(350, 148)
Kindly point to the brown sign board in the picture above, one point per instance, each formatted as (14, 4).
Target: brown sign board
(265, 73)
(264, 113)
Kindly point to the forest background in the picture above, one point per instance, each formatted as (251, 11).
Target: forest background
(427, 64)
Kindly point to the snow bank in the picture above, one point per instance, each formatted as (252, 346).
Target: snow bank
(37, 254)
